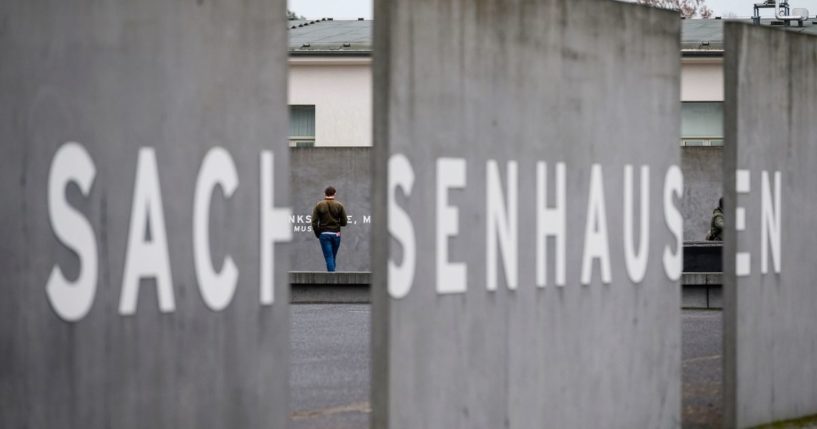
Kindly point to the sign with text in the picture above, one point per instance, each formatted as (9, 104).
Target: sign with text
(142, 258)
(770, 301)
(348, 170)
(528, 243)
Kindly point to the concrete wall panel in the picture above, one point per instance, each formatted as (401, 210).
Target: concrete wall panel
(349, 171)
(769, 318)
(583, 82)
(703, 178)
(180, 78)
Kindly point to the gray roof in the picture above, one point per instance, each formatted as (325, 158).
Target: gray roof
(329, 37)
(704, 37)
(699, 37)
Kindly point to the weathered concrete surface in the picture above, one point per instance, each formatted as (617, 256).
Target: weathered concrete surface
(525, 81)
(335, 278)
(702, 279)
(348, 169)
(330, 294)
(703, 186)
(322, 287)
(770, 342)
(180, 77)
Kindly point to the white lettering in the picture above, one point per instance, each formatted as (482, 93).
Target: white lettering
(636, 261)
(596, 245)
(451, 277)
(273, 228)
(770, 223)
(147, 258)
(401, 277)
(674, 187)
(743, 260)
(502, 224)
(550, 222)
(72, 300)
(217, 289)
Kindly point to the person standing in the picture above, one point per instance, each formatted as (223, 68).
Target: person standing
(328, 217)
(716, 224)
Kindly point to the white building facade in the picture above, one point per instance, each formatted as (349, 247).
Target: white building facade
(331, 101)
(330, 83)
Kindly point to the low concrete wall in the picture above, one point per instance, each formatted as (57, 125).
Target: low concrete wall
(699, 290)
(348, 169)
(702, 290)
(322, 287)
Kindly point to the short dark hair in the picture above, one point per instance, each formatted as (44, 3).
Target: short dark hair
(329, 191)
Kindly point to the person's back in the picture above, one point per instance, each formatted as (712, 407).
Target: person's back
(328, 217)
(716, 224)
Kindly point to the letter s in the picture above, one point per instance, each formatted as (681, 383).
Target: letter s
(674, 186)
(72, 300)
(401, 277)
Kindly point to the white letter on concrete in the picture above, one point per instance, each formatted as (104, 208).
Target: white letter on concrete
(72, 300)
(274, 228)
(503, 223)
(451, 277)
(147, 258)
(743, 260)
(674, 186)
(596, 243)
(770, 223)
(636, 261)
(401, 277)
(217, 289)
(550, 222)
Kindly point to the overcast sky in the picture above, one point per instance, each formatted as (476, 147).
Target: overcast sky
(352, 9)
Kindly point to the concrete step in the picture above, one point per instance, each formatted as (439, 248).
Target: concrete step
(699, 290)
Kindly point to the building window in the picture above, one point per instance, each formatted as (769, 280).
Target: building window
(702, 124)
(302, 126)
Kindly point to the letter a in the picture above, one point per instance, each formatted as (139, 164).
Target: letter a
(596, 243)
(147, 258)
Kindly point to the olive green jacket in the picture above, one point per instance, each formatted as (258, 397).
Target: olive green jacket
(328, 216)
(716, 226)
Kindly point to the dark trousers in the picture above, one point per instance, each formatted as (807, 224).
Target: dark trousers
(330, 244)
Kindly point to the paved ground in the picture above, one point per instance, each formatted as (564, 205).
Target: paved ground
(702, 368)
(330, 367)
(329, 376)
